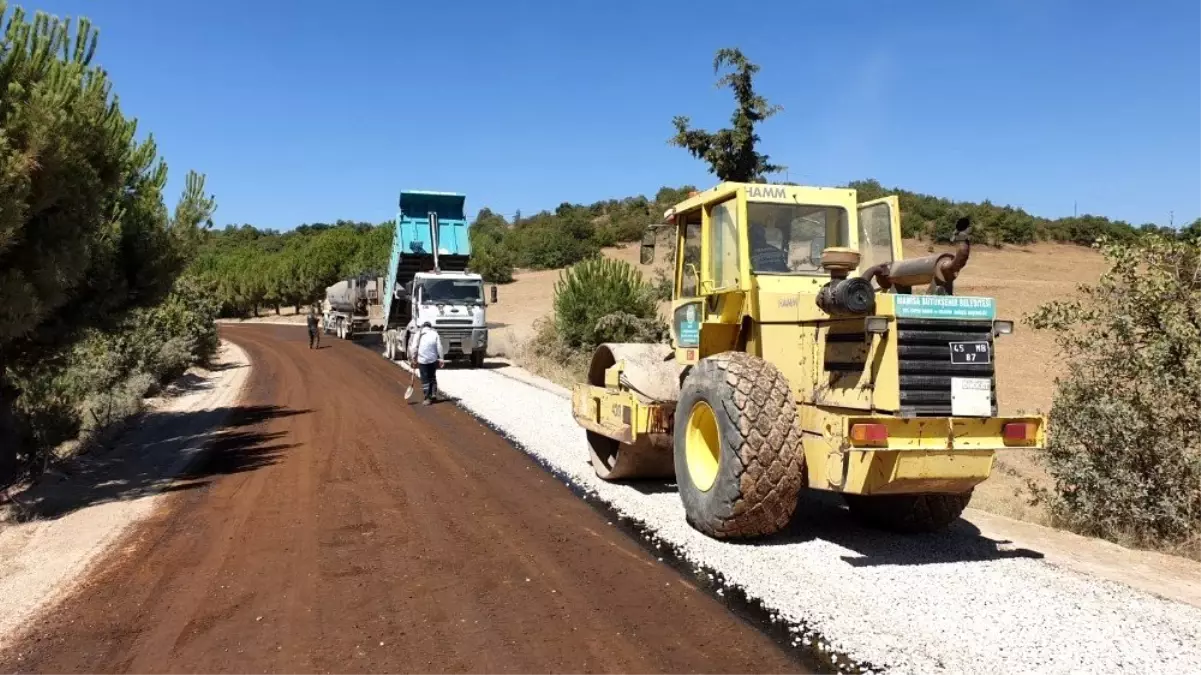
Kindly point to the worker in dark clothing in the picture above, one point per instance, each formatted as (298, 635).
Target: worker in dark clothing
(314, 334)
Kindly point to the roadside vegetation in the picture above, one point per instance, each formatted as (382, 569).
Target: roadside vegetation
(94, 313)
(1125, 448)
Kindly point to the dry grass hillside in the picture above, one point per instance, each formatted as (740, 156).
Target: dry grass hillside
(1020, 278)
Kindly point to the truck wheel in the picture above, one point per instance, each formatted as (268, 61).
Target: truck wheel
(738, 455)
(908, 514)
(477, 358)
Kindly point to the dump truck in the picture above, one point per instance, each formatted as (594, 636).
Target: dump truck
(429, 280)
(804, 354)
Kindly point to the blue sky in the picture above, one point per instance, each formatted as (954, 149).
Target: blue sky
(298, 112)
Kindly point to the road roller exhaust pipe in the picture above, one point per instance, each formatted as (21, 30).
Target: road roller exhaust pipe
(939, 271)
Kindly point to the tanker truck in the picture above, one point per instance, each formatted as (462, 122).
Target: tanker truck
(428, 279)
(352, 305)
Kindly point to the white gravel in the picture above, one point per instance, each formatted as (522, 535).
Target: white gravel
(954, 602)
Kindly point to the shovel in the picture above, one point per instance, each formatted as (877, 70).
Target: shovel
(412, 381)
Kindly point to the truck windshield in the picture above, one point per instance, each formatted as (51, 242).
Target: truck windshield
(453, 291)
(789, 238)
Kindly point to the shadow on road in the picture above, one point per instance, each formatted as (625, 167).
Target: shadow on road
(188, 383)
(823, 516)
(651, 487)
(148, 458)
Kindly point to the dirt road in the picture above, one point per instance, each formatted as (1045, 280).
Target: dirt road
(337, 528)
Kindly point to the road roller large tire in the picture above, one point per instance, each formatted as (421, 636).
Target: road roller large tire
(738, 455)
(613, 460)
(908, 514)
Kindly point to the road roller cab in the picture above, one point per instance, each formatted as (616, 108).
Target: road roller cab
(801, 356)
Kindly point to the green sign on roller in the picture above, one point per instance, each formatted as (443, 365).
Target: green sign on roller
(945, 307)
(688, 325)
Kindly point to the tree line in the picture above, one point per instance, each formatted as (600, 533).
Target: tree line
(250, 270)
(253, 269)
(933, 218)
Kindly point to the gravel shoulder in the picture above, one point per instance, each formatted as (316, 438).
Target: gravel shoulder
(73, 516)
(991, 595)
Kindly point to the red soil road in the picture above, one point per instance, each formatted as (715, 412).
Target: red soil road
(336, 528)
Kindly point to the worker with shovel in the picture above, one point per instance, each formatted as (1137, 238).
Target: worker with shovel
(425, 354)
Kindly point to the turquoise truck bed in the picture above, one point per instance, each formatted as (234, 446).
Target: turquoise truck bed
(413, 244)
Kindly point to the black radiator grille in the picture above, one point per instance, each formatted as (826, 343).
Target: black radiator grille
(924, 362)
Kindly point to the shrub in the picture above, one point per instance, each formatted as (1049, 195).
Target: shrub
(605, 235)
(597, 288)
(100, 410)
(493, 261)
(80, 391)
(1125, 443)
(550, 242)
(664, 286)
(625, 327)
(548, 356)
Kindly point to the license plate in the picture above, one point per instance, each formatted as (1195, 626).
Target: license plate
(967, 353)
(971, 397)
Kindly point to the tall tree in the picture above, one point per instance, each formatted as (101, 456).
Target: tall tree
(84, 233)
(731, 153)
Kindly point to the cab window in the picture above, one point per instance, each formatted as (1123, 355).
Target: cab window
(789, 238)
(691, 258)
(723, 233)
(875, 235)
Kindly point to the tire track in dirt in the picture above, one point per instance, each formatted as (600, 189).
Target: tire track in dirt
(368, 535)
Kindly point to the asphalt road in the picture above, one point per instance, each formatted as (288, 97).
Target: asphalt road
(335, 527)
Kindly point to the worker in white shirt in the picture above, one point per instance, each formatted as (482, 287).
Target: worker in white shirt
(425, 352)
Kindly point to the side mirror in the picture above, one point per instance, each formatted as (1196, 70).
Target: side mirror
(646, 254)
(493, 298)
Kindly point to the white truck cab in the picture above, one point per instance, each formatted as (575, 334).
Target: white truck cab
(453, 303)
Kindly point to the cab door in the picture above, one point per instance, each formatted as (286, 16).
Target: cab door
(724, 260)
(879, 232)
(688, 307)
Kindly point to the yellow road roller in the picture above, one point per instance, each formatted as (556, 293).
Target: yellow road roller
(805, 352)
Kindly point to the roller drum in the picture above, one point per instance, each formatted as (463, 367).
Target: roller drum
(653, 374)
